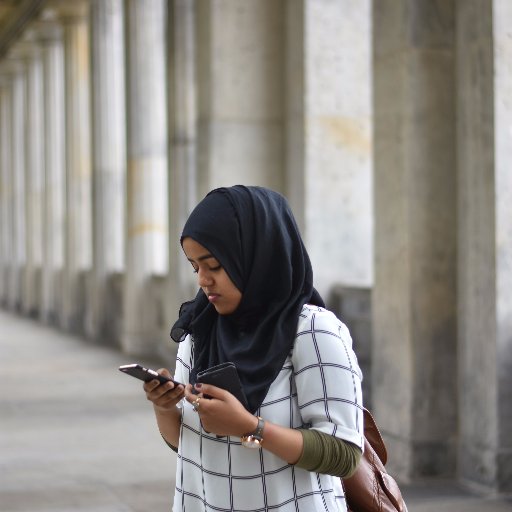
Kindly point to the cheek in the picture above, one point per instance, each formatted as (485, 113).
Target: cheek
(234, 294)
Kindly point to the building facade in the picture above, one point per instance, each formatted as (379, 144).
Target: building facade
(386, 124)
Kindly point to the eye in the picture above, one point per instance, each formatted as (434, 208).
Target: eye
(214, 269)
(196, 269)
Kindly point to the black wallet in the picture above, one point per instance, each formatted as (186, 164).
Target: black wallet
(224, 376)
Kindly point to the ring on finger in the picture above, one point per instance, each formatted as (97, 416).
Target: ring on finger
(195, 404)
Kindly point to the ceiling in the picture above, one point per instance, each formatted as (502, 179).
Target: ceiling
(14, 14)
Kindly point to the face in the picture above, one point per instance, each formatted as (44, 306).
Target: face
(212, 278)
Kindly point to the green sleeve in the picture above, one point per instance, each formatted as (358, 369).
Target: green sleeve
(323, 453)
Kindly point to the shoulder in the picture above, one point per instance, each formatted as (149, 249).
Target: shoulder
(323, 325)
(316, 318)
(321, 335)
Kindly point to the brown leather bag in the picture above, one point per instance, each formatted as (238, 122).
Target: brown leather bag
(371, 488)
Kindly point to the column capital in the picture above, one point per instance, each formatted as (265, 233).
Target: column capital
(70, 12)
(47, 28)
(20, 51)
(9, 67)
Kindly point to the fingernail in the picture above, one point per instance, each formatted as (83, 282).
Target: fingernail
(198, 385)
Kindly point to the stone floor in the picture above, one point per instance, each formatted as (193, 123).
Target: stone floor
(76, 435)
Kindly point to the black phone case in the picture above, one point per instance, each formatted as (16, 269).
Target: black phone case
(224, 376)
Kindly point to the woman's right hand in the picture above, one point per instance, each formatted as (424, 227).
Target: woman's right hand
(164, 396)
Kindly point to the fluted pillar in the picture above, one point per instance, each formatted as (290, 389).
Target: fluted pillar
(147, 209)
(34, 136)
(183, 145)
(240, 74)
(6, 212)
(78, 208)
(108, 157)
(414, 297)
(18, 181)
(54, 221)
(484, 163)
(328, 136)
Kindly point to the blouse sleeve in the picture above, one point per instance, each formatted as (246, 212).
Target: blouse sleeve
(184, 361)
(328, 377)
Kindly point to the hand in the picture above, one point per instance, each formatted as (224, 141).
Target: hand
(164, 396)
(222, 414)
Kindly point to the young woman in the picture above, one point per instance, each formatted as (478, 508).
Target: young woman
(302, 426)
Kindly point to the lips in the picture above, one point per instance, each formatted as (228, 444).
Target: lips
(212, 297)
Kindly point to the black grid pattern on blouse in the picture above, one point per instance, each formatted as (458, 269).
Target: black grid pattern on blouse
(318, 386)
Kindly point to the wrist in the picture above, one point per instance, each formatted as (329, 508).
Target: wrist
(166, 411)
(254, 438)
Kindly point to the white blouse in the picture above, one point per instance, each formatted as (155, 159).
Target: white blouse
(318, 387)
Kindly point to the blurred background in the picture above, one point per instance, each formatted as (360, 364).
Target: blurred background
(387, 125)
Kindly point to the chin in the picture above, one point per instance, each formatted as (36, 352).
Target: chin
(223, 311)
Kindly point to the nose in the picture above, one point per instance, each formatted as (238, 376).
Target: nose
(204, 278)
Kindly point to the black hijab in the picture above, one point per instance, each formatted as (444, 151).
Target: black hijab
(252, 233)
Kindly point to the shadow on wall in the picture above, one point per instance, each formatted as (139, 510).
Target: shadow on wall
(353, 306)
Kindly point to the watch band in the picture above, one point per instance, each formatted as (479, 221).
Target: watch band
(254, 439)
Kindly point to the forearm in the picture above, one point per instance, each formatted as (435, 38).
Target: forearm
(169, 422)
(286, 443)
(311, 450)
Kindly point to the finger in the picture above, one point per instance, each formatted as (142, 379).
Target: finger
(151, 385)
(190, 396)
(212, 391)
(165, 372)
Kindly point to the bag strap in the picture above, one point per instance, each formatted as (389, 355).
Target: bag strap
(374, 437)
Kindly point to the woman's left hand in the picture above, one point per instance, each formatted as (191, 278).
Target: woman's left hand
(222, 414)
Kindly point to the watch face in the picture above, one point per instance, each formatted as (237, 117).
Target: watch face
(252, 442)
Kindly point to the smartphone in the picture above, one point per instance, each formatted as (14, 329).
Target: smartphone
(146, 374)
(224, 376)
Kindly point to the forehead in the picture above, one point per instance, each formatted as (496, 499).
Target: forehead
(194, 250)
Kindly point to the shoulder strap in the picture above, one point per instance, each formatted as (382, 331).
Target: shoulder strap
(372, 434)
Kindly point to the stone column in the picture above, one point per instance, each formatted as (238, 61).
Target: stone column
(18, 241)
(484, 82)
(34, 136)
(108, 158)
(6, 211)
(78, 233)
(240, 93)
(328, 136)
(183, 146)
(147, 206)
(54, 163)
(414, 302)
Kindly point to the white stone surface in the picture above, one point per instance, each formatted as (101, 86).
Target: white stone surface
(54, 165)
(108, 156)
(35, 176)
(18, 111)
(485, 261)
(240, 93)
(414, 296)
(183, 113)
(502, 25)
(329, 137)
(147, 185)
(6, 211)
(78, 237)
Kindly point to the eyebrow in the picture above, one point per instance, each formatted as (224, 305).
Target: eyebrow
(202, 258)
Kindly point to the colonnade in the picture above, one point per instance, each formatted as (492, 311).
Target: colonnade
(386, 124)
(117, 116)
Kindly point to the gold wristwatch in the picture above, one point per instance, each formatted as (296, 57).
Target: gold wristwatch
(254, 439)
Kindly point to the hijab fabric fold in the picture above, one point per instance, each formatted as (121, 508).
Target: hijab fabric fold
(252, 233)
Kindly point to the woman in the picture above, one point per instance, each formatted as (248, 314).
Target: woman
(257, 308)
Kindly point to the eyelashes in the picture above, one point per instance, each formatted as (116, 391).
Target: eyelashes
(212, 269)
